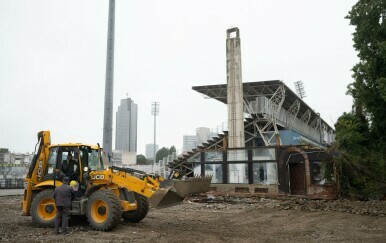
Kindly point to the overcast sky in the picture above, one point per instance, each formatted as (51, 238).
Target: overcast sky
(53, 57)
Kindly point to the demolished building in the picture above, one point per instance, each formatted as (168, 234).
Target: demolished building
(275, 142)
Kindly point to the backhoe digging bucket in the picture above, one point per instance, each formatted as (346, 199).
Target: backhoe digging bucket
(172, 192)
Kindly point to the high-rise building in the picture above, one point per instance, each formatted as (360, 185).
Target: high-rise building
(203, 134)
(126, 126)
(150, 150)
(189, 143)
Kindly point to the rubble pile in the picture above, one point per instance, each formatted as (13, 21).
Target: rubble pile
(372, 208)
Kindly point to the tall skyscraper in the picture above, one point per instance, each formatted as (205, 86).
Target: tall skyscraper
(126, 126)
(150, 150)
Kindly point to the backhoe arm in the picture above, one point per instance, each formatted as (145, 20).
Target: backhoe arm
(36, 169)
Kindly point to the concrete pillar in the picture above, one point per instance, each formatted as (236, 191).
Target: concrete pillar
(234, 90)
(235, 106)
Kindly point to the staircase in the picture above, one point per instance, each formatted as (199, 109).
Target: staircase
(184, 165)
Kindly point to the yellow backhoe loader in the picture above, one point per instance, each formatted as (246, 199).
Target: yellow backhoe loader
(105, 194)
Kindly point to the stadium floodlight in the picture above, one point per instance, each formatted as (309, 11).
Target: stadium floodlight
(299, 88)
(155, 113)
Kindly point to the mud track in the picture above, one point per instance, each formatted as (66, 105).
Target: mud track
(220, 220)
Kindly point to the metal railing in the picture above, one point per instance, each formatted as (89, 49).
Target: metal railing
(11, 183)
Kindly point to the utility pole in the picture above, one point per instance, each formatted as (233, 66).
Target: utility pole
(109, 85)
(155, 113)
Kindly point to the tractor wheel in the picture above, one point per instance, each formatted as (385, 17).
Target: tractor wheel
(104, 210)
(43, 209)
(141, 211)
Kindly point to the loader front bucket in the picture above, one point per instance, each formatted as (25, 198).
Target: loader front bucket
(165, 198)
(192, 185)
(172, 192)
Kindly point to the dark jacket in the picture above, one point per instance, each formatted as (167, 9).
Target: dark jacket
(63, 195)
(69, 167)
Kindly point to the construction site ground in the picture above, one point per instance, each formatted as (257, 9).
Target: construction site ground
(220, 219)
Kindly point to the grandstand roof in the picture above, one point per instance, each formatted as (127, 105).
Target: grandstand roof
(256, 89)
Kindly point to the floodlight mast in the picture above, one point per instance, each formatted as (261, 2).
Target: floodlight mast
(155, 113)
(109, 84)
(299, 88)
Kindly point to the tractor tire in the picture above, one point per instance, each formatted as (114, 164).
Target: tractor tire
(141, 211)
(104, 210)
(43, 209)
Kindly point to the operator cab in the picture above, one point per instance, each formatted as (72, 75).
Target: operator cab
(74, 161)
(70, 165)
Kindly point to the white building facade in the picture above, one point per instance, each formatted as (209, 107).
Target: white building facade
(189, 143)
(203, 135)
(149, 152)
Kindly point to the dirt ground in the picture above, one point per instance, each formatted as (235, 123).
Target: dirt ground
(230, 219)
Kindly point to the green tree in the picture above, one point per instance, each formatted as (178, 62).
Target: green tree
(161, 153)
(172, 149)
(4, 150)
(141, 160)
(352, 132)
(369, 87)
(360, 134)
(164, 152)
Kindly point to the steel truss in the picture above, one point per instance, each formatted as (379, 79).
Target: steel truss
(266, 122)
(306, 116)
(292, 113)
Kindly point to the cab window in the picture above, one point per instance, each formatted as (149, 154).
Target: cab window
(52, 160)
(89, 158)
(94, 163)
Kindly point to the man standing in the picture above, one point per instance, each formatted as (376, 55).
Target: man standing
(63, 196)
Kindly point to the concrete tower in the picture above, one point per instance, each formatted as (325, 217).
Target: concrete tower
(234, 90)
(235, 106)
(109, 85)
